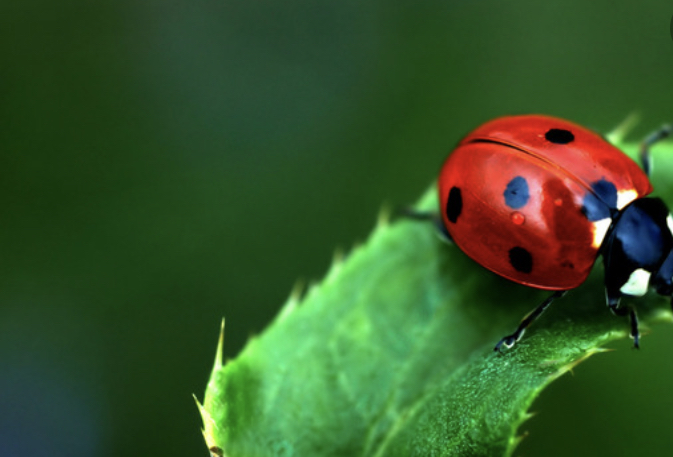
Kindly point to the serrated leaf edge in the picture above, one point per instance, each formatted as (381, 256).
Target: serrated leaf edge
(209, 425)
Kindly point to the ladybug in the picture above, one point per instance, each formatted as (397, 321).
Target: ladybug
(537, 199)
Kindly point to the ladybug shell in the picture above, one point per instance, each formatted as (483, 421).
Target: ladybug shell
(532, 197)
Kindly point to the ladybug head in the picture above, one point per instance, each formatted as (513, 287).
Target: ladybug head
(638, 250)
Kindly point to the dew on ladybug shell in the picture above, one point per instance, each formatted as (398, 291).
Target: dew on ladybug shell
(517, 218)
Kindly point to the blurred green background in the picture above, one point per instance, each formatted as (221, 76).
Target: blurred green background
(165, 164)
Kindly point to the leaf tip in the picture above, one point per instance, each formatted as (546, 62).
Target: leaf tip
(337, 262)
(208, 422)
(514, 442)
(295, 298)
(202, 411)
(618, 134)
(312, 288)
(565, 367)
(210, 426)
(297, 291)
(220, 348)
(383, 218)
(208, 430)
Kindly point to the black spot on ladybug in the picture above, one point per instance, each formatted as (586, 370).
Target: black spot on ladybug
(516, 194)
(559, 136)
(521, 259)
(601, 202)
(454, 204)
(606, 191)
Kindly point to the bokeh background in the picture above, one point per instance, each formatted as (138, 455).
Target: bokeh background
(164, 164)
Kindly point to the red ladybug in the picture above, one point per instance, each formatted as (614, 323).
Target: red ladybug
(537, 199)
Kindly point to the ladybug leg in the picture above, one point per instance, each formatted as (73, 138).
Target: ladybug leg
(633, 319)
(509, 340)
(434, 218)
(651, 139)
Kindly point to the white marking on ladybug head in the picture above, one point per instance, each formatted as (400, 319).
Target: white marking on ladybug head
(624, 197)
(637, 283)
(669, 222)
(599, 229)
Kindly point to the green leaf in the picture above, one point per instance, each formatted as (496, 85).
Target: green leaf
(392, 355)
